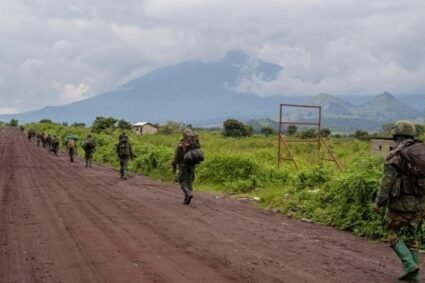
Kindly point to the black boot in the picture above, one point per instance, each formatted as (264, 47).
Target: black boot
(189, 198)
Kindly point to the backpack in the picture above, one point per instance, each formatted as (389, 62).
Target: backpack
(89, 144)
(54, 141)
(414, 157)
(124, 147)
(70, 144)
(194, 156)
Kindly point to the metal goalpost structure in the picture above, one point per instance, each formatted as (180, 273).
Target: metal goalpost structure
(284, 152)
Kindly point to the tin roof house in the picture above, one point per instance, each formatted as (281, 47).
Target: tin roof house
(145, 128)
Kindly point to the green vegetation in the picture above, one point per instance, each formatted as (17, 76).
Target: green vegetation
(13, 123)
(235, 128)
(248, 167)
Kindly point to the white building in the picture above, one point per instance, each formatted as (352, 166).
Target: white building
(145, 128)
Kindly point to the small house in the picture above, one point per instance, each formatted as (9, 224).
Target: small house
(145, 128)
(382, 145)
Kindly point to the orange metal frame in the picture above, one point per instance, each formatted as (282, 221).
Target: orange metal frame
(284, 144)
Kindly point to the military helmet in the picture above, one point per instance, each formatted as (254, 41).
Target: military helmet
(403, 128)
(187, 133)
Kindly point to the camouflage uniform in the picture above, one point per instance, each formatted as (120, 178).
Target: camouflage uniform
(124, 157)
(405, 209)
(89, 147)
(186, 172)
(54, 143)
(72, 149)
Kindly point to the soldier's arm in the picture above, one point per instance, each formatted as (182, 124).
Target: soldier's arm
(176, 158)
(131, 152)
(387, 181)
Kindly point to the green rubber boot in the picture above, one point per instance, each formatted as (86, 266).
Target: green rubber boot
(414, 277)
(409, 264)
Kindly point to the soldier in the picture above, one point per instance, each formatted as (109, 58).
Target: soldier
(402, 193)
(89, 147)
(186, 167)
(39, 138)
(54, 145)
(71, 145)
(124, 153)
(31, 134)
(48, 141)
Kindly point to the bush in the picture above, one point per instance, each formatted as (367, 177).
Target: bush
(235, 128)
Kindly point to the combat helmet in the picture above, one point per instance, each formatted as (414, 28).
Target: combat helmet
(187, 133)
(403, 128)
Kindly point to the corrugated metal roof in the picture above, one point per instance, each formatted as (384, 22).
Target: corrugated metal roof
(140, 124)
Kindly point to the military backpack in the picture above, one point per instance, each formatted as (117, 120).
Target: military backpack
(89, 144)
(71, 144)
(124, 147)
(194, 156)
(414, 158)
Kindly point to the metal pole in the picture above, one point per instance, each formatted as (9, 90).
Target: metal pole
(278, 136)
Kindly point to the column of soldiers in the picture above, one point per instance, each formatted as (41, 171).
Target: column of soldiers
(52, 144)
(187, 155)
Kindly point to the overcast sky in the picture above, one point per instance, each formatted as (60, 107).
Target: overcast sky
(54, 52)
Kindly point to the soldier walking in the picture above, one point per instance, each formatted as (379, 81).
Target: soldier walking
(54, 145)
(184, 161)
(89, 147)
(71, 145)
(39, 139)
(124, 153)
(402, 192)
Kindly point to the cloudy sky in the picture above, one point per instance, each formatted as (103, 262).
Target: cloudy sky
(54, 52)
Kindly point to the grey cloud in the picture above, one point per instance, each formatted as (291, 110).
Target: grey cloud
(53, 52)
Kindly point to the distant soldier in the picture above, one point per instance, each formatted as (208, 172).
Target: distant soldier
(54, 145)
(31, 134)
(89, 147)
(402, 192)
(39, 139)
(124, 153)
(71, 146)
(22, 128)
(46, 141)
(186, 156)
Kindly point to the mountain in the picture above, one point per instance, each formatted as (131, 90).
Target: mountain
(385, 107)
(189, 92)
(206, 93)
(340, 115)
(332, 105)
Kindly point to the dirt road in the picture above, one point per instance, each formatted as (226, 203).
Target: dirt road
(62, 222)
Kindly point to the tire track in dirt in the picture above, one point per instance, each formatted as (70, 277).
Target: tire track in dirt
(61, 222)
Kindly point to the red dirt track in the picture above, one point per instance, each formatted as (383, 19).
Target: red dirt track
(62, 222)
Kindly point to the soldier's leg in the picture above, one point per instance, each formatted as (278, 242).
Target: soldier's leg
(121, 167)
(416, 226)
(125, 168)
(400, 239)
(191, 171)
(71, 154)
(184, 183)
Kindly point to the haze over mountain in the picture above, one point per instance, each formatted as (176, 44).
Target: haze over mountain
(207, 93)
